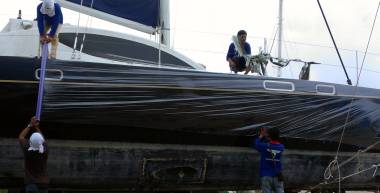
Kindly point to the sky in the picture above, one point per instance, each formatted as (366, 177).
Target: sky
(202, 31)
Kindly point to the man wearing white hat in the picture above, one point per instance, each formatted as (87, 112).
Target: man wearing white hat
(49, 16)
(35, 159)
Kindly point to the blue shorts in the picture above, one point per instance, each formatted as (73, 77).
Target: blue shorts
(271, 184)
(240, 63)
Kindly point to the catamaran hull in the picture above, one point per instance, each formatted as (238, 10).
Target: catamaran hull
(148, 104)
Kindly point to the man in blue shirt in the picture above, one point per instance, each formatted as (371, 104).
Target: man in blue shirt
(237, 61)
(49, 16)
(270, 161)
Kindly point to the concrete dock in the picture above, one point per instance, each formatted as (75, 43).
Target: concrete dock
(117, 166)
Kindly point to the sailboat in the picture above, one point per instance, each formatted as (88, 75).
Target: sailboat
(141, 91)
(125, 113)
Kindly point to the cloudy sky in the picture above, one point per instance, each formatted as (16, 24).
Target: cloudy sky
(202, 30)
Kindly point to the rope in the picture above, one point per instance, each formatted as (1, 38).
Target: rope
(84, 34)
(348, 176)
(359, 152)
(76, 34)
(274, 39)
(45, 54)
(361, 171)
(357, 83)
(335, 162)
(369, 40)
(328, 171)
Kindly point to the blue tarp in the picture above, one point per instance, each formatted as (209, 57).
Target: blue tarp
(141, 11)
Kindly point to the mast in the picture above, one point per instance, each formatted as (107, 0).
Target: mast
(165, 22)
(279, 52)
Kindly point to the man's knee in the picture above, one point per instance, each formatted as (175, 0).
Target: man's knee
(55, 40)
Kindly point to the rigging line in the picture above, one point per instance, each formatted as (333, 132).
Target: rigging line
(330, 168)
(289, 32)
(175, 21)
(76, 34)
(274, 39)
(369, 40)
(357, 154)
(361, 171)
(289, 42)
(342, 135)
(374, 166)
(350, 108)
(324, 46)
(336, 48)
(287, 54)
(85, 31)
(275, 32)
(357, 81)
(350, 67)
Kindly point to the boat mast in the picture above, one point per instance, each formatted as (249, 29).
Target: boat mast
(279, 52)
(165, 22)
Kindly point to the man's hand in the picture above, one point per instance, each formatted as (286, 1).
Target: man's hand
(262, 133)
(43, 39)
(247, 69)
(34, 122)
(49, 39)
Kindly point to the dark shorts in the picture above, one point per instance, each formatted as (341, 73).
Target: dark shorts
(240, 63)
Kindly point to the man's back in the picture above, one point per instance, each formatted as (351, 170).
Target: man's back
(270, 160)
(35, 165)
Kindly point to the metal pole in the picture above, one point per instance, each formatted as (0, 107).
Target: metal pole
(165, 22)
(265, 45)
(357, 67)
(45, 53)
(336, 47)
(159, 47)
(265, 51)
(279, 52)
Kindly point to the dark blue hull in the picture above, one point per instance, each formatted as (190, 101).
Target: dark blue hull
(155, 105)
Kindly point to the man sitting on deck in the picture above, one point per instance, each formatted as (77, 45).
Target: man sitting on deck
(49, 16)
(236, 52)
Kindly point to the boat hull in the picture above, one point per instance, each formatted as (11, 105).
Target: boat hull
(145, 104)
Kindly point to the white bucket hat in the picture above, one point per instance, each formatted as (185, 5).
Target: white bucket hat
(47, 8)
(36, 142)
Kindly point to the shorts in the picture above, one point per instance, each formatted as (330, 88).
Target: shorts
(240, 63)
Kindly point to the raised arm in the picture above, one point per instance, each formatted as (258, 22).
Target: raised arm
(260, 143)
(23, 133)
(34, 123)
